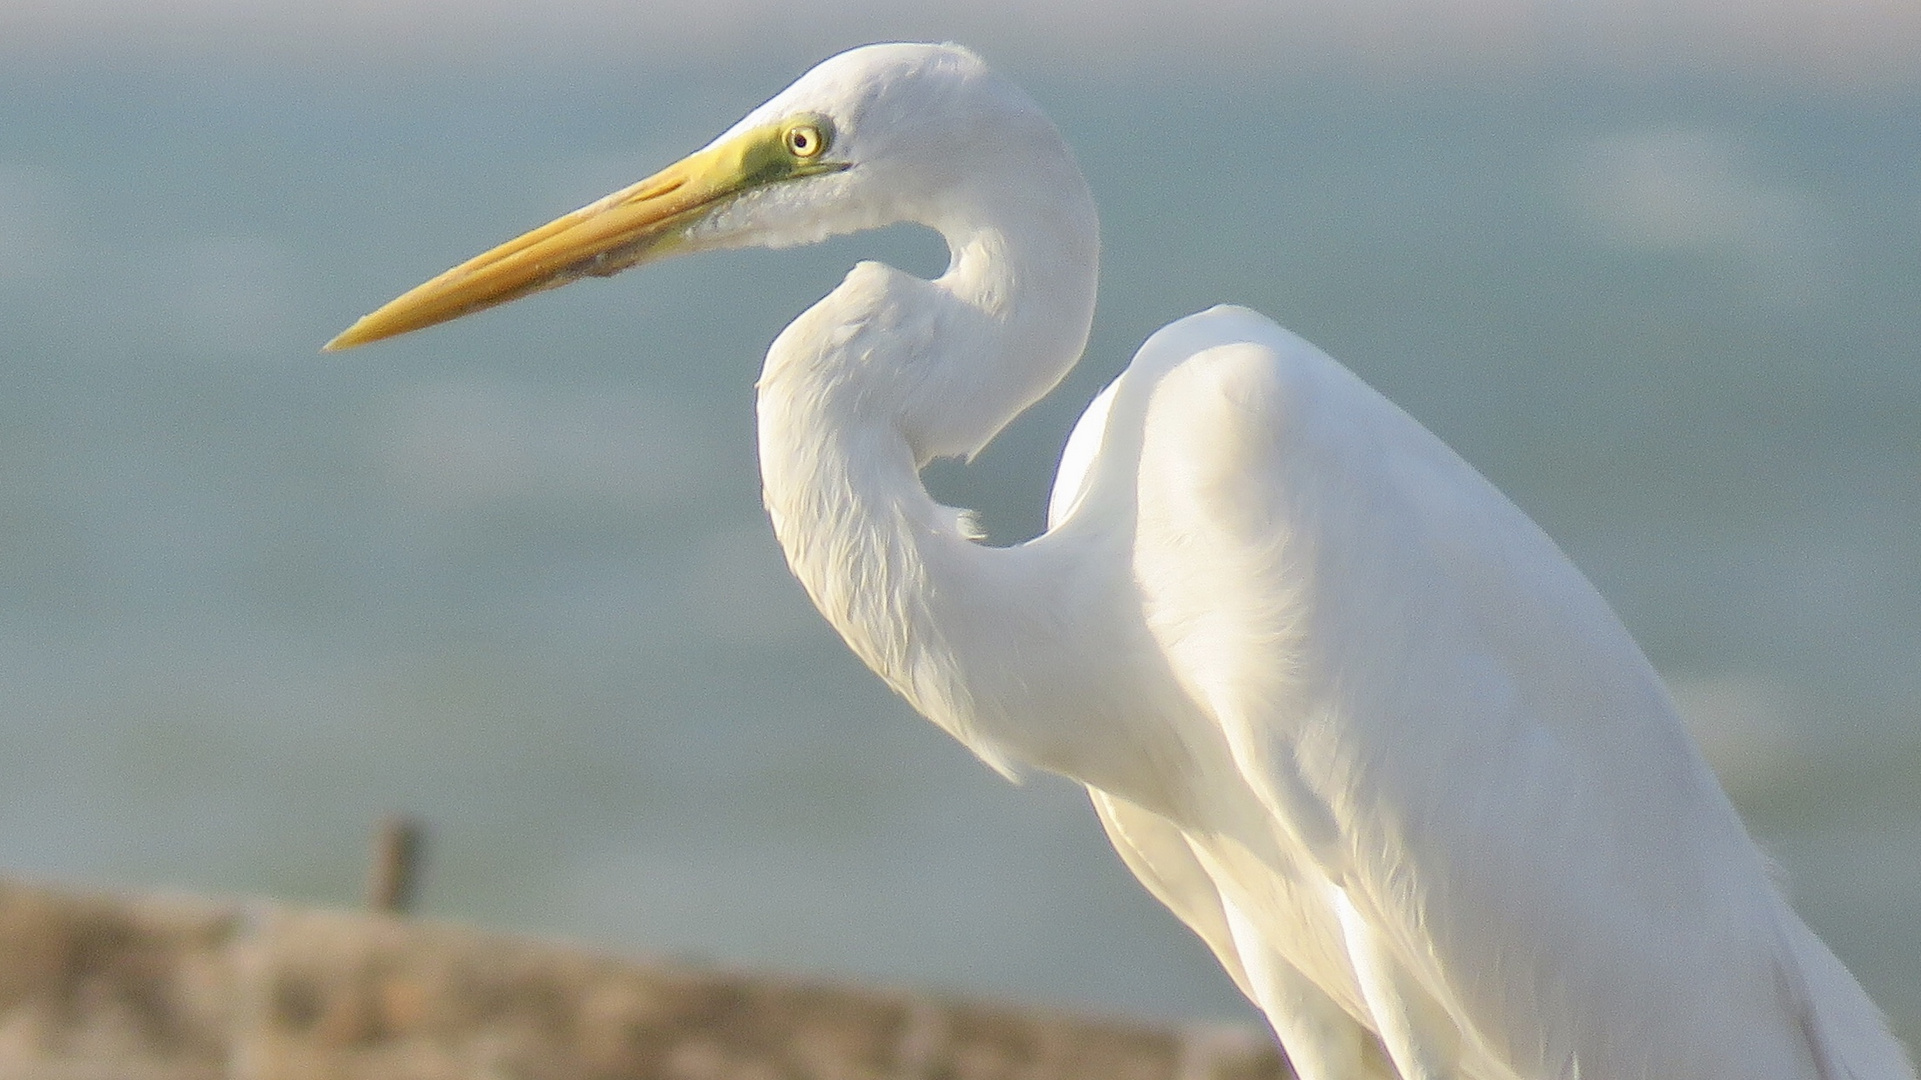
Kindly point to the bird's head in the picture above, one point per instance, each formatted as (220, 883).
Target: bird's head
(876, 135)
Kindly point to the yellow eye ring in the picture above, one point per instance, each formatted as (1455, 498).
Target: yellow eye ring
(805, 141)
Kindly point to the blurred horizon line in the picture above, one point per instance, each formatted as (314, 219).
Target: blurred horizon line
(1850, 45)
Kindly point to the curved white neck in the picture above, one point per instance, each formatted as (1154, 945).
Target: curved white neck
(889, 372)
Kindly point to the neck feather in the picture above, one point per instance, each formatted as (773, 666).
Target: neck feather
(889, 372)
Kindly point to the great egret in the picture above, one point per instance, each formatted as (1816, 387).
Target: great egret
(1341, 706)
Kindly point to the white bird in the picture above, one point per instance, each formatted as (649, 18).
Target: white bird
(1341, 706)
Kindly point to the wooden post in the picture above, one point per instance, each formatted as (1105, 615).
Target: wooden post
(394, 873)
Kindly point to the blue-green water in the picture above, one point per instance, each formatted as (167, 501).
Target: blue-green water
(511, 575)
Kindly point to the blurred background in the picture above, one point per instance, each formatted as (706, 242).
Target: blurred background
(1654, 268)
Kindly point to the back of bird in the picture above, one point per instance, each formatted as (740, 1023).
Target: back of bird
(1454, 729)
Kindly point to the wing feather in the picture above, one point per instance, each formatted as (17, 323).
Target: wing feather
(1157, 853)
(1446, 721)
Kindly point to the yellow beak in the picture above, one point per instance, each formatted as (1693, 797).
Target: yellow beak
(631, 226)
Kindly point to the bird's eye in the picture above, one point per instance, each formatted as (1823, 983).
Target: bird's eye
(805, 141)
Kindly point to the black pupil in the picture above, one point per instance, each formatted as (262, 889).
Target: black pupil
(802, 141)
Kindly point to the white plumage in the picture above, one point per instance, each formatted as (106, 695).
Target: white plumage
(1341, 706)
